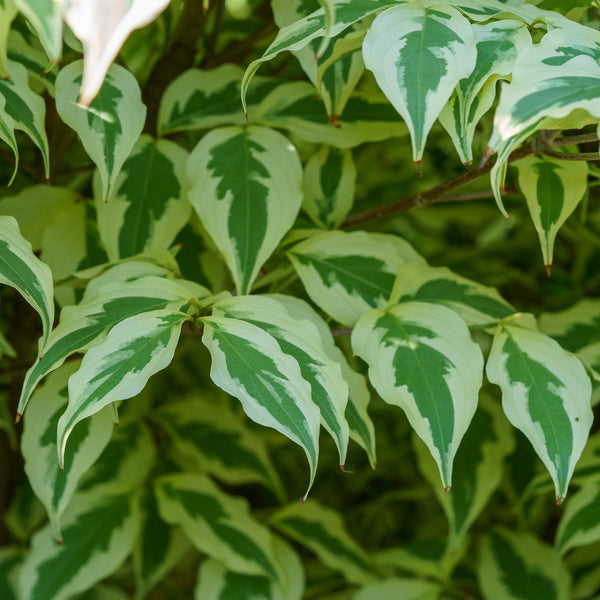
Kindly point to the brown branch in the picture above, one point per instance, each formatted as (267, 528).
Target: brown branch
(439, 193)
(579, 156)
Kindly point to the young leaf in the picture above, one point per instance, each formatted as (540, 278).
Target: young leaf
(46, 19)
(579, 525)
(55, 487)
(110, 125)
(553, 189)
(216, 440)
(421, 358)
(329, 178)
(299, 339)
(216, 582)
(246, 186)
(217, 524)
(102, 31)
(477, 304)
(249, 364)
(347, 274)
(477, 470)
(99, 531)
(149, 204)
(21, 269)
(322, 530)
(8, 11)
(546, 394)
(84, 324)
(119, 367)
(418, 55)
(498, 44)
(520, 567)
(23, 110)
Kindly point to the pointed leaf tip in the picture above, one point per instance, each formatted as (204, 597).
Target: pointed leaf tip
(559, 500)
(447, 489)
(18, 418)
(548, 270)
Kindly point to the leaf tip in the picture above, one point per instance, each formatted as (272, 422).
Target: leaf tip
(59, 541)
(447, 489)
(334, 120)
(559, 500)
(303, 500)
(468, 164)
(548, 270)
(375, 466)
(418, 165)
(18, 417)
(486, 155)
(344, 470)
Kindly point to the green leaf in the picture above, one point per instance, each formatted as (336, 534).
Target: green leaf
(323, 531)
(347, 274)
(23, 110)
(249, 364)
(217, 524)
(55, 487)
(549, 81)
(361, 426)
(102, 33)
(83, 325)
(477, 470)
(498, 45)
(158, 550)
(520, 567)
(477, 304)
(22, 270)
(10, 562)
(110, 125)
(119, 367)
(418, 55)
(34, 59)
(422, 359)
(367, 116)
(329, 177)
(203, 99)
(215, 440)
(394, 588)
(246, 186)
(46, 19)
(299, 339)
(553, 189)
(149, 204)
(545, 394)
(216, 582)
(8, 11)
(99, 531)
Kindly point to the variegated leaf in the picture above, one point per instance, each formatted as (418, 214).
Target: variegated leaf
(477, 470)
(53, 486)
(367, 116)
(216, 582)
(103, 28)
(99, 531)
(35, 206)
(21, 269)
(418, 55)
(22, 51)
(119, 367)
(46, 19)
(579, 524)
(553, 189)
(362, 430)
(149, 204)
(246, 186)
(347, 274)
(297, 35)
(110, 125)
(159, 548)
(498, 44)
(520, 567)
(203, 99)
(477, 304)
(395, 588)
(323, 531)
(10, 563)
(422, 359)
(585, 570)
(8, 11)
(217, 524)
(249, 364)
(83, 325)
(329, 178)
(213, 438)
(299, 339)
(23, 110)
(546, 394)
(549, 81)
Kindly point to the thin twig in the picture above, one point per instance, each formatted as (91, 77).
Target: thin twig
(343, 331)
(574, 156)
